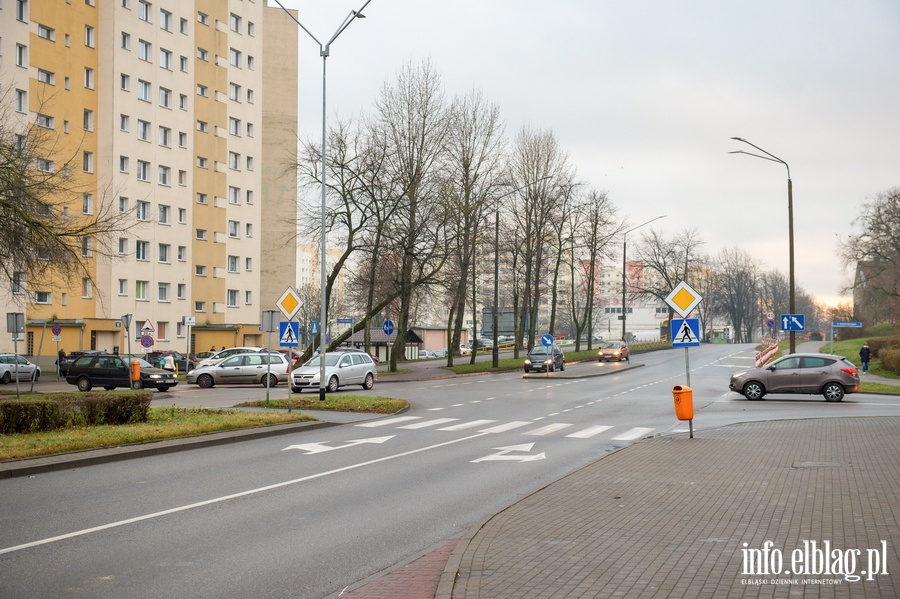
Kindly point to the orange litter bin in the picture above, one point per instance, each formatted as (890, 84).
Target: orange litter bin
(684, 404)
(135, 371)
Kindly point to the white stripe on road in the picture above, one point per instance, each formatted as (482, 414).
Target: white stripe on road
(633, 434)
(388, 422)
(589, 432)
(502, 428)
(546, 430)
(428, 423)
(465, 425)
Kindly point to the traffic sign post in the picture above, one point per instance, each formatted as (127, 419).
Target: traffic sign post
(792, 322)
(842, 323)
(685, 333)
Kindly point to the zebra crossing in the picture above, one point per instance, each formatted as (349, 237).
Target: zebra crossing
(493, 426)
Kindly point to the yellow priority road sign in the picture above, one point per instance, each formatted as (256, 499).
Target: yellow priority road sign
(683, 299)
(289, 303)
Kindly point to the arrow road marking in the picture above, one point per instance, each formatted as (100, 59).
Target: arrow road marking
(311, 448)
(504, 451)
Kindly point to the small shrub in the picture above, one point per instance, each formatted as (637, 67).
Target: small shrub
(34, 413)
(890, 360)
(880, 344)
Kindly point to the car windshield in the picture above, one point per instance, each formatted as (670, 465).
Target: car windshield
(611, 345)
(330, 360)
(540, 350)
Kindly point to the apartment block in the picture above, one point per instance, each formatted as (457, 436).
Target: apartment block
(157, 110)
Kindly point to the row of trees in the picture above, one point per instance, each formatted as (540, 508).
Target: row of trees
(424, 192)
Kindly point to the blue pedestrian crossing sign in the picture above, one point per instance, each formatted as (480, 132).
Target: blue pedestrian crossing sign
(685, 332)
(792, 322)
(288, 333)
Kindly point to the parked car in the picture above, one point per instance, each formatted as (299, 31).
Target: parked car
(249, 368)
(70, 359)
(426, 354)
(545, 357)
(813, 374)
(15, 367)
(613, 351)
(110, 371)
(182, 362)
(222, 354)
(356, 349)
(341, 369)
(441, 353)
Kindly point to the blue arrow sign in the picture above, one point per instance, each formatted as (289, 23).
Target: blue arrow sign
(793, 322)
(547, 340)
(388, 327)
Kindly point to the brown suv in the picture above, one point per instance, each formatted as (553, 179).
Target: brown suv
(813, 374)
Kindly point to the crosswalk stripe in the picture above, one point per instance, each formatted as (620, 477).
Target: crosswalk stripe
(427, 423)
(502, 428)
(589, 432)
(388, 422)
(465, 425)
(632, 434)
(550, 428)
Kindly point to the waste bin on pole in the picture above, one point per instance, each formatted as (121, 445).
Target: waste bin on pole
(135, 371)
(684, 405)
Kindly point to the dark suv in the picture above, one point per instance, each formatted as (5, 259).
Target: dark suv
(110, 371)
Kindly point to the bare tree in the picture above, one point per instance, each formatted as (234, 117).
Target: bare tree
(412, 124)
(737, 293)
(876, 255)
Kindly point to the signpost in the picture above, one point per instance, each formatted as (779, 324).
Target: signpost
(685, 333)
(842, 323)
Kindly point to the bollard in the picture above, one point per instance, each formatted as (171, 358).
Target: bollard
(684, 405)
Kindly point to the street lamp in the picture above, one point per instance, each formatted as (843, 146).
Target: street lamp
(495, 351)
(624, 268)
(773, 158)
(324, 51)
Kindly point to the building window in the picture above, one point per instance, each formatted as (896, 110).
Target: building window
(165, 59)
(199, 270)
(87, 288)
(124, 122)
(203, 54)
(143, 130)
(123, 204)
(202, 126)
(182, 177)
(249, 230)
(18, 282)
(123, 245)
(87, 162)
(165, 175)
(22, 14)
(248, 264)
(87, 247)
(143, 90)
(234, 228)
(164, 214)
(44, 121)
(44, 165)
(124, 82)
(183, 26)
(162, 294)
(48, 33)
(251, 28)
(234, 57)
(123, 287)
(87, 203)
(234, 126)
(251, 64)
(88, 78)
(233, 263)
(234, 195)
(145, 10)
(142, 209)
(165, 20)
(141, 250)
(21, 55)
(140, 290)
(182, 139)
(165, 137)
(145, 50)
(165, 97)
(199, 306)
(235, 23)
(249, 197)
(202, 198)
(182, 253)
(232, 298)
(249, 129)
(183, 101)
(249, 163)
(203, 18)
(125, 41)
(123, 164)
(46, 77)
(234, 92)
(165, 253)
(181, 290)
(88, 36)
(182, 216)
(21, 101)
(88, 120)
(42, 297)
(234, 161)
(183, 64)
(202, 90)
(202, 162)
(201, 234)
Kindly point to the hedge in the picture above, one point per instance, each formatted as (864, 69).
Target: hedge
(33, 413)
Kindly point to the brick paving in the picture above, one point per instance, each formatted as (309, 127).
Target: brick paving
(676, 517)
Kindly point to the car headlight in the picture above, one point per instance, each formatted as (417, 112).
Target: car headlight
(528, 361)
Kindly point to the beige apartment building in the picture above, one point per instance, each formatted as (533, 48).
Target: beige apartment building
(172, 113)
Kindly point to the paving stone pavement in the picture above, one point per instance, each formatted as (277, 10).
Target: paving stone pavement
(680, 517)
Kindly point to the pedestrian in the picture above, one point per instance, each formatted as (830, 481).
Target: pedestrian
(168, 363)
(223, 348)
(60, 358)
(864, 355)
(212, 350)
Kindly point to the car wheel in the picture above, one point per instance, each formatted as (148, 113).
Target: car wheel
(7, 377)
(109, 388)
(205, 381)
(269, 380)
(36, 375)
(332, 384)
(296, 389)
(164, 388)
(833, 392)
(562, 367)
(138, 384)
(753, 390)
(84, 384)
(551, 368)
(369, 382)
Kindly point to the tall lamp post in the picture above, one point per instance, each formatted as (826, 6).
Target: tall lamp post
(773, 158)
(624, 267)
(324, 52)
(495, 351)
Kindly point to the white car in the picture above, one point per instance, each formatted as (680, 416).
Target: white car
(253, 368)
(341, 369)
(14, 366)
(221, 355)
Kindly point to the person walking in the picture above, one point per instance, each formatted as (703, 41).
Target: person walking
(864, 355)
(168, 363)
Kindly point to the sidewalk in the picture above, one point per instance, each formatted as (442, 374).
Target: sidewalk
(678, 517)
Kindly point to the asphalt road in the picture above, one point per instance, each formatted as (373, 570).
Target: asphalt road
(308, 514)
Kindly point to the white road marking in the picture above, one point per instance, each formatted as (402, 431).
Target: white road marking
(589, 432)
(550, 428)
(633, 434)
(388, 422)
(427, 423)
(465, 425)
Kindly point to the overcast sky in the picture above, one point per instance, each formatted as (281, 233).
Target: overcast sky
(645, 96)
